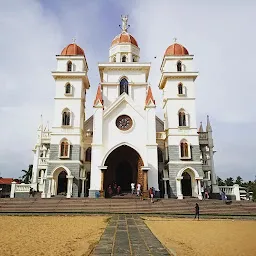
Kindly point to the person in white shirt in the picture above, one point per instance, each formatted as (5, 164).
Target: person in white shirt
(132, 187)
(138, 189)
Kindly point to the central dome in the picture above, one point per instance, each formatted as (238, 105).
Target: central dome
(124, 38)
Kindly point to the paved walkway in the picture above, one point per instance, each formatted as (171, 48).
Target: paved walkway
(128, 235)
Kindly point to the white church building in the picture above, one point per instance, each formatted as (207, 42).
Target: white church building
(124, 141)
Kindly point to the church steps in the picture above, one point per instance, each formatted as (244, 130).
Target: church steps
(87, 206)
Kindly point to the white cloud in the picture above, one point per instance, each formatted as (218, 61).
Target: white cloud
(220, 36)
(32, 38)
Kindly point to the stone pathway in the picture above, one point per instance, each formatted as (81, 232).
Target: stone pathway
(128, 235)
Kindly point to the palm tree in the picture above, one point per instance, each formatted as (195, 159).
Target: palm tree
(26, 178)
(239, 180)
(229, 181)
(220, 182)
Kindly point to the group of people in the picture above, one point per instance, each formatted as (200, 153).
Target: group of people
(139, 191)
(205, 192)
(113, 190)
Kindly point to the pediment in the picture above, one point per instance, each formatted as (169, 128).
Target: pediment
(122, 99)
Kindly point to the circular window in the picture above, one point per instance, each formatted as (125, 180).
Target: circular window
(124, 122)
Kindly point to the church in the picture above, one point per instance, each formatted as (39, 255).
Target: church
(124, 141)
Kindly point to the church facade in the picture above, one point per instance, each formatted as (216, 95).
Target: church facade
(124, 141)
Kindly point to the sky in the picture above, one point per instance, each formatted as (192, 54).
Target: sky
(220, 35)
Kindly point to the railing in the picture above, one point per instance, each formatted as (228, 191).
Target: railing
(19, 188)
(43, 160)
(231, 190)
(46, 135)
(22, 188)
(203, 136)
(160, 135)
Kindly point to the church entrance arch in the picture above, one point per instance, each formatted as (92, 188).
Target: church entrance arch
(123, 167)
(186, 184)
(62, 183)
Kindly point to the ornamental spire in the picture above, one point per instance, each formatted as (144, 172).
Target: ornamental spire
(208, 126)
(201, 129)
(124, 25)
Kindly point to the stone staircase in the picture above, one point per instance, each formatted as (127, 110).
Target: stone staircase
(105, 206)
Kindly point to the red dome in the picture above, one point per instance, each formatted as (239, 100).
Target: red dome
(72, 49)
(124, 37)
(176, 49)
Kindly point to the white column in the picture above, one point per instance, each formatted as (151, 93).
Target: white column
(68, 189)
(43, 193)
(236, 192)
(199, 189)
(178, 187)
(82, 192)
(35, 167)
(49, 187)
(69, 186)
(165, 189)
(12, 195)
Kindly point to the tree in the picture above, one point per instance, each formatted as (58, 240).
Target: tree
(220, 182)
(26, 178)
(239, 180)
(229, 181)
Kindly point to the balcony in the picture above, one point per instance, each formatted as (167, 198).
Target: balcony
(46, 136)
(43, 162)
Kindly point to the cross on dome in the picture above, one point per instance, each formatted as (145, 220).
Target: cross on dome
(73, 40)
(174, 39)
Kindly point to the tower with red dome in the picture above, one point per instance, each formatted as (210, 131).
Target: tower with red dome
(178, 85)
(66, 151)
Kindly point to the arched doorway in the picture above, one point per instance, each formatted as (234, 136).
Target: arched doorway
(123, 167)
(124, 175)
(62, 183)
(186, 184)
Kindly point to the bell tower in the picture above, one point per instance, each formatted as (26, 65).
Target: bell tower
(177, 82)
(66, 151)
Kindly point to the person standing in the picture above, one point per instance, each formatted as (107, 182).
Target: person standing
(132, 187)
(197, 211)
(203, 192)
(151, 194)
(138, 189)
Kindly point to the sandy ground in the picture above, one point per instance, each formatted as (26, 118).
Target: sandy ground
(187, 237)
(50, 235)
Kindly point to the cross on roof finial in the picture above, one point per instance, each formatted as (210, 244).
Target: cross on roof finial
(175, 39)
(74, 40)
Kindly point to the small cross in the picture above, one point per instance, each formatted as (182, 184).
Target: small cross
(74, 40)
(174, 39)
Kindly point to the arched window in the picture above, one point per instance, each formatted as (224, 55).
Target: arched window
(184, 149)
(134, 59)
(88, 154)
(66, 117)
(123, 86)
(69, 66)
(68, 89)
(179, 66)
(160, 155)
(64, 149)
(114, 59)
(180, 88)
(124, 58)
(182, 118)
